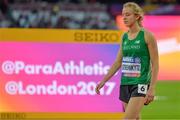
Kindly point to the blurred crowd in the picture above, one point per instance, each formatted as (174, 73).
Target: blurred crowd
(42, 14)
(73, 14)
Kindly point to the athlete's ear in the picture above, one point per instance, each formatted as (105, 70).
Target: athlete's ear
(137, 17)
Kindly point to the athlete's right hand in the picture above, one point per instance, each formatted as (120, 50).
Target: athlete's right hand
(99, 86)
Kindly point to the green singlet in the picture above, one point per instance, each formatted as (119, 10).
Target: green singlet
(136, 67)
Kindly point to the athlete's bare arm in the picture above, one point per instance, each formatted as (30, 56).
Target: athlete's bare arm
(114, 68)
(154, 57)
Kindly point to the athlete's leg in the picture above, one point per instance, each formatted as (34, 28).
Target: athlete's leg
(124, 106)
(139, 117)
(134, 107)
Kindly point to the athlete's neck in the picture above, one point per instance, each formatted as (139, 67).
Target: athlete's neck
(134, 29)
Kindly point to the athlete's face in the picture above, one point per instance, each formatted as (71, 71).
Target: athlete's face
(129, 17)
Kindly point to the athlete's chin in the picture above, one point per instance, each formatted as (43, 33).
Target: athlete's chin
(127, 25)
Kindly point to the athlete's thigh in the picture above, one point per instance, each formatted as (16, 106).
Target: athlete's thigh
(134, 107)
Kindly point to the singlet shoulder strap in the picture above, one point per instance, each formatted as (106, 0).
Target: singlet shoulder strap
(124, 36)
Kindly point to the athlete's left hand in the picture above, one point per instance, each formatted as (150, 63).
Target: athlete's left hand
(149, 96)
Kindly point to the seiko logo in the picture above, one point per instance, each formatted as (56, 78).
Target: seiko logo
(96, 37)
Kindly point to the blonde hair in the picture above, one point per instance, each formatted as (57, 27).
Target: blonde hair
(137, 10)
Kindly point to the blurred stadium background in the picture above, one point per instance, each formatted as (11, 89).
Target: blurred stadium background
(74, 14)
(101, 15)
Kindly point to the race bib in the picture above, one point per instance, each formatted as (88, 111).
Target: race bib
(131, 67)
(142, 88)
